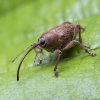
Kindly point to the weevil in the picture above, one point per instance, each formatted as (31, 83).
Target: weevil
(56, 40)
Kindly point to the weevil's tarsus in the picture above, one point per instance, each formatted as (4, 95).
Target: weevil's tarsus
(56, 74)
(72, 43)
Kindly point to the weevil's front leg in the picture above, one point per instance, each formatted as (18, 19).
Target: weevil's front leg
(58, 53)
(38, 50)
(73, 42)
(40, 60)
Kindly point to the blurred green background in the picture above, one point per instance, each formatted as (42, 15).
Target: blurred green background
(21, 24)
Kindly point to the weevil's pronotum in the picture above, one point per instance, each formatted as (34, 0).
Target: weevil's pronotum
(56, 40)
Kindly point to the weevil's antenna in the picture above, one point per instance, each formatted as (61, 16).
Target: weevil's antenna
(21, 53)
(33, 46)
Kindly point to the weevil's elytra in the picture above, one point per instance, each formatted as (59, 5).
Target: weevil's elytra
(56, 40)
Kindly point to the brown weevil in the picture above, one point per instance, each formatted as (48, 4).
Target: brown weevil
(56, 40)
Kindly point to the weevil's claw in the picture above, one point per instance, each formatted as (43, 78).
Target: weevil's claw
(87, 51)
(83, 28)
(37, 64)
(56, 74)
(40, 61)
(93, 54)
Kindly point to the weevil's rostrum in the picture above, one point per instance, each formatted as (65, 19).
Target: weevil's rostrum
(57, 40)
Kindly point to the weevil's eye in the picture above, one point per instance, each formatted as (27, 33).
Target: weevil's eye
(42, 42)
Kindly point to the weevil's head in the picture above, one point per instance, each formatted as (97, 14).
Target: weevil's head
(48, 41)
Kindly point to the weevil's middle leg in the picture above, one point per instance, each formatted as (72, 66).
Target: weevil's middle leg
(37, 52)
(73, 42)
(58, 53)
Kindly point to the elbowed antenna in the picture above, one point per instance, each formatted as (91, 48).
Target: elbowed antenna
(21, 53)
(33, 46)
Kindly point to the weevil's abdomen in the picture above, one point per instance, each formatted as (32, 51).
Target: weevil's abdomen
(65, 34)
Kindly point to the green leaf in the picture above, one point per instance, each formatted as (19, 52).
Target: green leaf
(21, 24)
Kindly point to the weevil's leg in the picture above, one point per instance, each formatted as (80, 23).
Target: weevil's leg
(40, 60)
(77, 30)
(73, 42)
(58, 53)
(81, 29)
(66, 22)
(38, 51)
(80, 39)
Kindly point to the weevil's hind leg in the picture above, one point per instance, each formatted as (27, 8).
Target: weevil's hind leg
(81, 29)
(77, 30)
(73, 42)
(66, 22)
(37, 52)
(58, 53)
